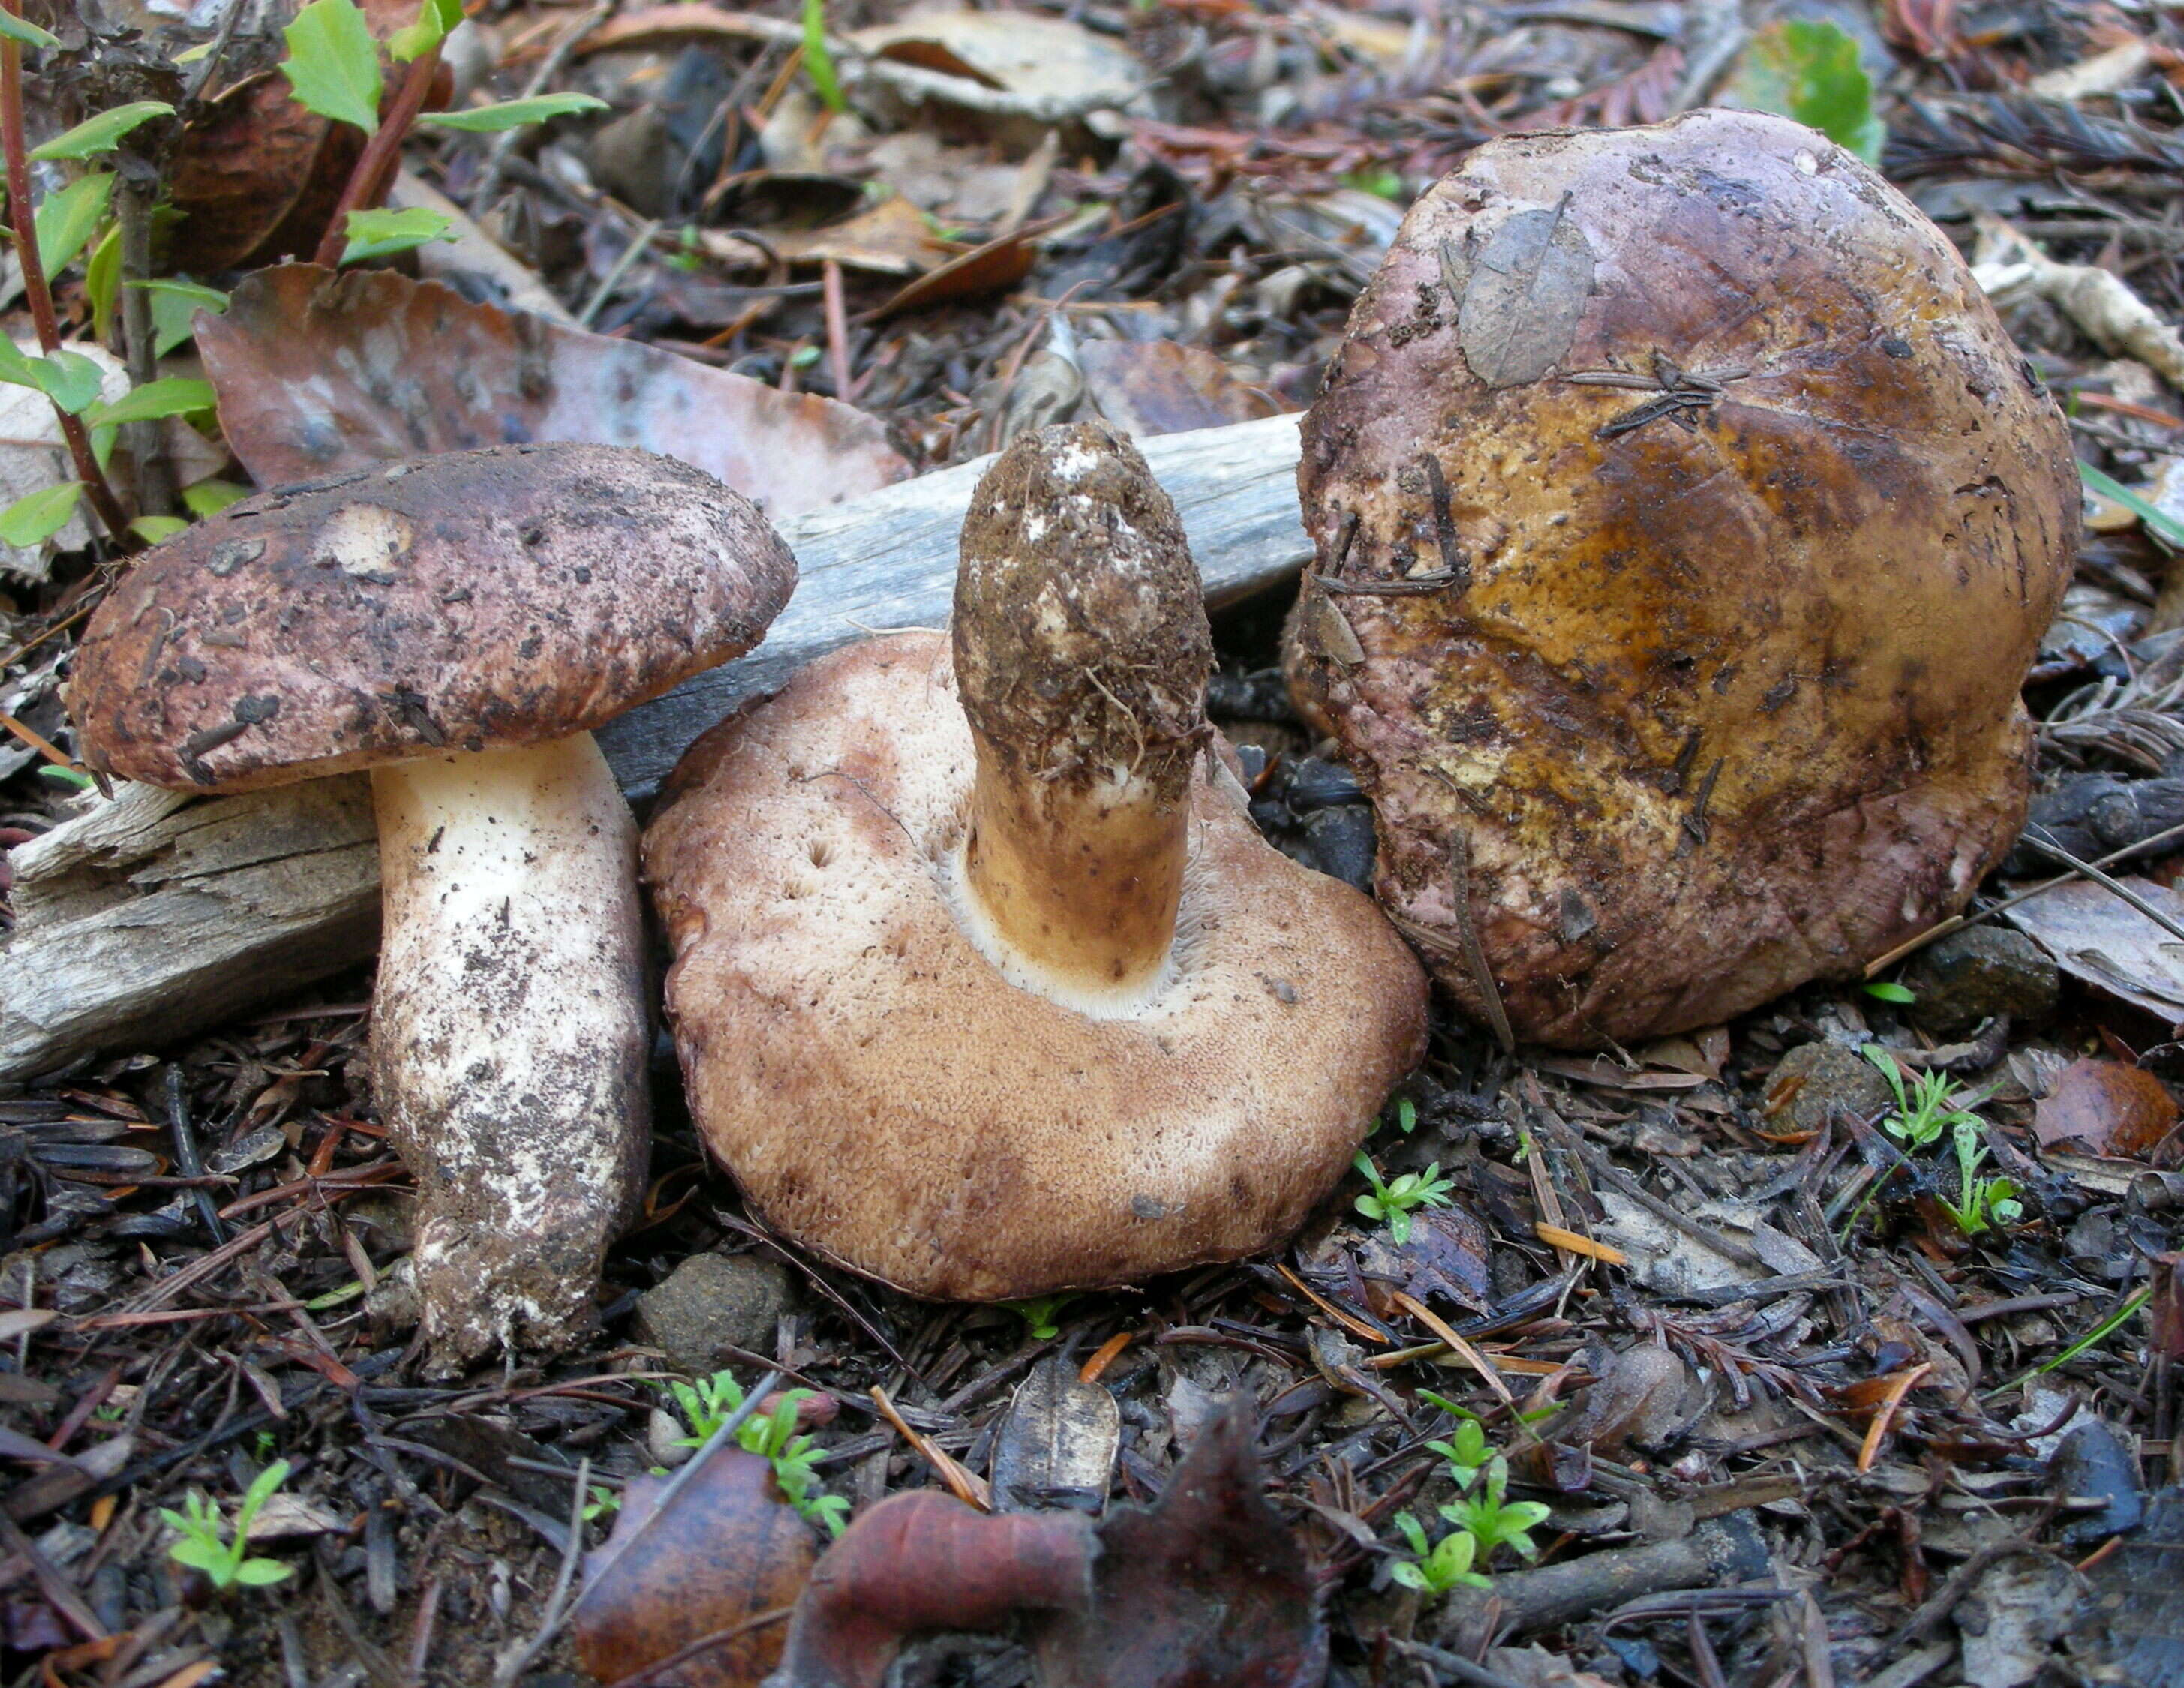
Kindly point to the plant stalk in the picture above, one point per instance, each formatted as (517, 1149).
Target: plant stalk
(111, 515)
(368, 181)
(148, 441)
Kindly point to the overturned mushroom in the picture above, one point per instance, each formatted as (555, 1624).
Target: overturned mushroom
(1685, 521)
(995, 998)
(458, 625)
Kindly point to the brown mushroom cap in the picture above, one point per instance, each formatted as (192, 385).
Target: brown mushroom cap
(505, 596)
(885, 1095)
(1725, 518)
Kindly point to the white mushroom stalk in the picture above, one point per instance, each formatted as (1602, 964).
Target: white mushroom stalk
(509, 1030)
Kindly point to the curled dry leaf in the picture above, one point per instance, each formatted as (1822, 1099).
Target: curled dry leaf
(2100, 939)
(318, 373)
(1207, 1588)
(725, 1550)
(1156, 387)
(925, 1561)
(1058, 1443)
(2107, 1107)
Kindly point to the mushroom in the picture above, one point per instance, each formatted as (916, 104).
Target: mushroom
(1685, 521)
(994, 998)
(458, 625)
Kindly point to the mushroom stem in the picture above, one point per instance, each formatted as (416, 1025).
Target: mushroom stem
(509, 1031)
(1082, 653)
(1078, 882)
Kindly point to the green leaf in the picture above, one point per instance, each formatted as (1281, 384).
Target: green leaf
(102, 133)
(2156, 521)
(1809, 71)
(1887, 990)
(175, 306)
(257, 1572)
(375, 234)
(33, 520)
(171, 396)
(70, 379)
(333, 62)
(155, 530)
(66, 219)
(435, 17)
(201, 1555)
(211, 497)
(819, 59)
(102, 282)
(491, 119)
(12, 28)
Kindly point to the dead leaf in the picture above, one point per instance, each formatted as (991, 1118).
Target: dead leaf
(1057, 1446)
(1524, 296)
(2106, 1107)
(33, 458)
(2096, 936)
(318, 373)
(1027, 53)
(1001, 262)
(1156, 387)
(891, 238)
(1207, 1587)
(926, 1561)
(1446, 1255)
(726, 1549)
(1645, 1395)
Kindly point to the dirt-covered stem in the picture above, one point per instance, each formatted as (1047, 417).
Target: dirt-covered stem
(376, 166)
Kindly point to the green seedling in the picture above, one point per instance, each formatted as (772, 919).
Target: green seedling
(1494, 1521)
(1040, 1312)
(819, 58)
(604, 1503)
(1392, 1201)
(710, 1403)
(1437, 1566)
(1407, 1116)
(1808, 69)
(1466, 1449)
(1887, 990)
(1980, 1203)
(205, 1546)
(1925, 1111)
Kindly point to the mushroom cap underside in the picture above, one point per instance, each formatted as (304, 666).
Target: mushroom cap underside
(505, 596)
(882, 1094)
(1729, 517)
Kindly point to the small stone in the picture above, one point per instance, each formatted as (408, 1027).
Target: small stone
(1972, 975)
(1816, 1080)
(712, 1303)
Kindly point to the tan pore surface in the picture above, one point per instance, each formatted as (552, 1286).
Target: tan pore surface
(511, 596)
(885, 1096)
(1721, 685)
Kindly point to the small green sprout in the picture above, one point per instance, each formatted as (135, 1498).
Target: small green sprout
(1392, 1202)
(1494, 1522)
(1039, 1313)
(711, 1401)
(1887, 990)
(1465, 1450)
(1438, 1567)
(205, 1546)
(1981, 1202)
(604, 1503)
(1407, 1116)
(1930, 1107)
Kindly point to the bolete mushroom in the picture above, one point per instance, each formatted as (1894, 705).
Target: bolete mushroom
(457, 625)
(1685, 521)
(997, 997)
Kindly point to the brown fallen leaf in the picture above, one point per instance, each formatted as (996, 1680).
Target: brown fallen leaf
(2096, 937)
(1644, 1396)
(891, 238)
(1057, 1446)
(318, 373)
(926, 1561)
(2107, 1107)
(1448, 1254)
(726, 1549)
(1156, 387)
(1207, 1588)
(1001, 262)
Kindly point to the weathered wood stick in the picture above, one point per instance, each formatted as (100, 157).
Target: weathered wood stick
(151, 917)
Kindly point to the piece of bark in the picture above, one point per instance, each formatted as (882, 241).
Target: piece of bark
(150, 918)
(1712, 1556)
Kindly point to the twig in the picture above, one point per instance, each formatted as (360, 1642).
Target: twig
(612, 279)
(658, 1669)
(147, 440)
(36, 741)
(375, 168)
(185, 1152)
(35, 289)
(1455, 1664)
(514, 1662)
(503, 146)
